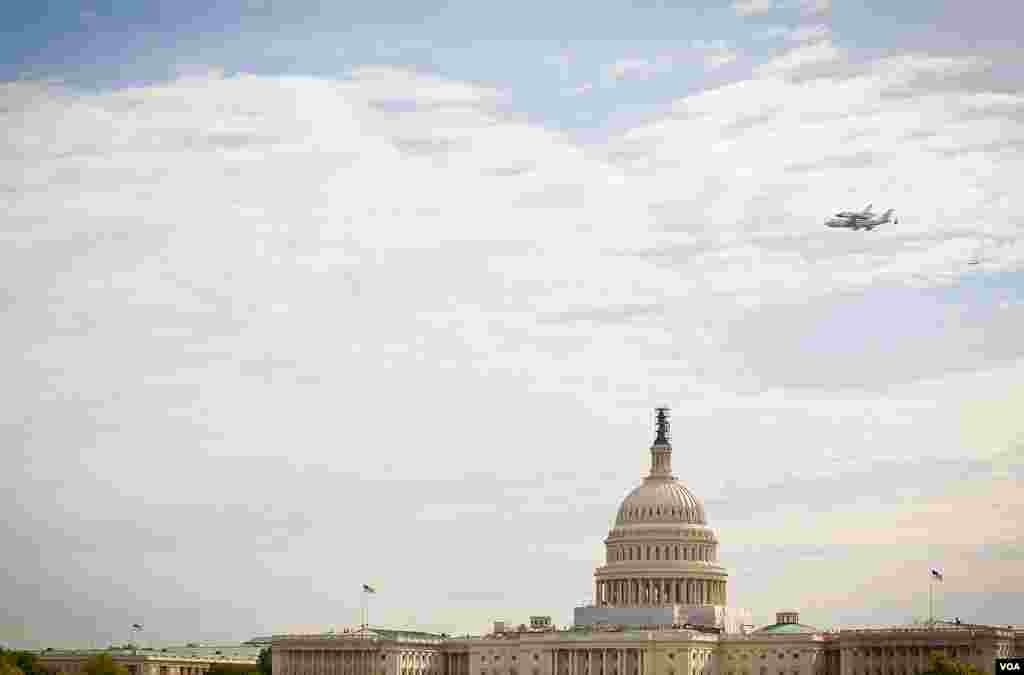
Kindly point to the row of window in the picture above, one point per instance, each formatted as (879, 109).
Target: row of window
(657, 512)
(497, 657)
(703, 553)
(962, 650)
(781, 655)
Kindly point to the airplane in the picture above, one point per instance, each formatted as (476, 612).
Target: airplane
(866, 213)
(865, 223)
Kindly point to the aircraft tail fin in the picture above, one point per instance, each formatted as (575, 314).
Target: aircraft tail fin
(867, 209)
(888, 214)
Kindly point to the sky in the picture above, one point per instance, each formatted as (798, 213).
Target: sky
(299, 296)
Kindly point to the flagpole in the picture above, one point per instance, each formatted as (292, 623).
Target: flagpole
(931, 614)
(364, 609)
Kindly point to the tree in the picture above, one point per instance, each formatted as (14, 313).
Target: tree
(8, 665)
(103, 664)
(25, 663)
(233, 669)
(264, 664)
(945, 665)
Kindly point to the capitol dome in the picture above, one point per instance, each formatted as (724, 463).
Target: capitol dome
(661, 498)
(660, 550)
(661, 501)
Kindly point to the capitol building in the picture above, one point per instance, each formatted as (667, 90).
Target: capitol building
(661, 607)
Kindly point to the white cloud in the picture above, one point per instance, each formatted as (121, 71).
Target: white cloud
(716, 53)
(581, 89)
(760, 7)
(819, 52)
(637, 68)
(812, 7)
(353, 273)
(752, 7)
(808, 33)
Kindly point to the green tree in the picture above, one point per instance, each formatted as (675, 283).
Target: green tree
(945, 665)
(25, 663)
(264, 663)
(7, 663)
(233, 669)
(28, 663)
(103, 664)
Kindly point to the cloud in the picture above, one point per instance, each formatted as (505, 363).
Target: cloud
(637, 68)
(580, 90)
(819, 52)
(813, 33)
(760, 7)
(812, 7)
(752, 7)
(355, 275)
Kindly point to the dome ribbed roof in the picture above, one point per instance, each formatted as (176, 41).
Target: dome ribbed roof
(787, 628)
(660, 500)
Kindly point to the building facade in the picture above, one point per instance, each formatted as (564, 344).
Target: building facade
(171, 661)
(661, 607)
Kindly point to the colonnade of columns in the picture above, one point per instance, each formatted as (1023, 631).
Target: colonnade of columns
(625, 661)
(456, 663)
(328, 662)
(626, 592)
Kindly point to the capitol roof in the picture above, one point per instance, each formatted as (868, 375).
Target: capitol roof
(661, 498)
(787, 629)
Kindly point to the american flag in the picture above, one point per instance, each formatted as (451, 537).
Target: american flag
(937, 575)
(368, 589)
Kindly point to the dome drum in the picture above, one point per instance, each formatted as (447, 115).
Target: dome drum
(660, 550)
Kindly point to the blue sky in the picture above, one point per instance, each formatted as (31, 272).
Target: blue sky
(535, 50)
(269, 268)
